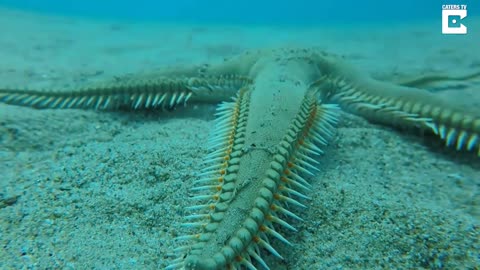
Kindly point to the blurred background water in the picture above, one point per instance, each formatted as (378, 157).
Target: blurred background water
(301, 12)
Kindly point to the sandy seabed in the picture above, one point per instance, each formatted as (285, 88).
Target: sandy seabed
(107, 190)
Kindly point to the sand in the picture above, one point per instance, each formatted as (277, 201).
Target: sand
(107, 190)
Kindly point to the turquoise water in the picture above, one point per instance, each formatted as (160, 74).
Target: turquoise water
(249, 11)
(106, 190)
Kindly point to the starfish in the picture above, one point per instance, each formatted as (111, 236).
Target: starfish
(278, 110)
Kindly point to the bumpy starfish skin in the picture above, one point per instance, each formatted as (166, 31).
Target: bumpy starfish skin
(266, 139)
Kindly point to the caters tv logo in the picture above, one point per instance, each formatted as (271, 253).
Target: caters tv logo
(452, 16)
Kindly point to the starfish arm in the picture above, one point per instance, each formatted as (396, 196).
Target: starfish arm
(399, 105)
(431, 79)
(262, 151)
(163, 93)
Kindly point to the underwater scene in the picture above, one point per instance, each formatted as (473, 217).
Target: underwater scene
(239, 135)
